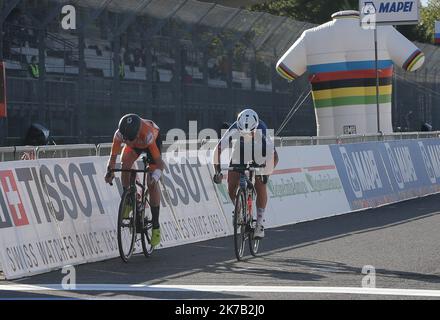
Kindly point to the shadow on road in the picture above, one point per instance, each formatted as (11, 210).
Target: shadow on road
(216, 257)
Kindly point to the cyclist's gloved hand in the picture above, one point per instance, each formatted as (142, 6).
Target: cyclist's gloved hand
(264, 179)
(109, 176)
(111, 163)
(218, 177)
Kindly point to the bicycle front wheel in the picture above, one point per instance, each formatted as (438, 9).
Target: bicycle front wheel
(127, 225)
(147, 229)
(254, 244)
(239, 224)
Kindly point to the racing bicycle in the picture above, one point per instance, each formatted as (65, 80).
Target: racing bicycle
(136, 221)
(245, 213)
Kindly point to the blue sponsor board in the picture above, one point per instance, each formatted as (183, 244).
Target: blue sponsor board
(378, 173)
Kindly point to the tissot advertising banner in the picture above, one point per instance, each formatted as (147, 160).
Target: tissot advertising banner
(188, 197)
(60, 212)
(53, 214)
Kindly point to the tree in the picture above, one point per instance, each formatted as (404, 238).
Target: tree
(424, 31)
(314, 11)
(428, 16)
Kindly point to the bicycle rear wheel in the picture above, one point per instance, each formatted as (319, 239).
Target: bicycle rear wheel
(239, 224)
(127, 225)
(147, 229)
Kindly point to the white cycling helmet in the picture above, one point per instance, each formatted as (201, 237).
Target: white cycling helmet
(247, 121)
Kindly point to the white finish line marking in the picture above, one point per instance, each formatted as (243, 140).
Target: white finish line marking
(220, 289)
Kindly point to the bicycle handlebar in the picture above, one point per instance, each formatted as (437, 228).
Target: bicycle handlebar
(248, 167)
(239, 169)
(127, 170)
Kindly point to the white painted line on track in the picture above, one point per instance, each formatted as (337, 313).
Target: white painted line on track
(225, 288)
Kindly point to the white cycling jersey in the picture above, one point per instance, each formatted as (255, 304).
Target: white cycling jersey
(339, 57)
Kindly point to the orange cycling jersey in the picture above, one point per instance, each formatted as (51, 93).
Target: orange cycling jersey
(145, 140)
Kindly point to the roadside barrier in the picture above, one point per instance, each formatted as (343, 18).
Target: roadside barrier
(57, 212)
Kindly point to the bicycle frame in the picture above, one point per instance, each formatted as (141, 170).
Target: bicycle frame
(142, 185)
(141, 225)
(247, 190)
(247, 184)
(134, 182)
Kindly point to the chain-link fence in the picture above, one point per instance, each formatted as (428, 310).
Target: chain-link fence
(169, 60)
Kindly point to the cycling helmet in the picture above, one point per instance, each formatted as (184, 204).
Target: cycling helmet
(247, 121)
(129, 126)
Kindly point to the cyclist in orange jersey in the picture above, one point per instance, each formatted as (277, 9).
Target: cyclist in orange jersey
(139, 136)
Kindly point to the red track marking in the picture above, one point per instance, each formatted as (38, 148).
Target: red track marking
(321, 168)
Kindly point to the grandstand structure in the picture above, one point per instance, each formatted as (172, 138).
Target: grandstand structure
(173, 61)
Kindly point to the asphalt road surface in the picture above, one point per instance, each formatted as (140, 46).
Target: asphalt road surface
(321, 259)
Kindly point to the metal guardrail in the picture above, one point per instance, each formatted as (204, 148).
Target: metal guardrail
(324, 140)
(103, 146)
(65, 151)
(103, 149)
(15, 153)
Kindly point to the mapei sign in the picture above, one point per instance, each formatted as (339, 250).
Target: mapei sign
(390, 12)
(374, 174)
